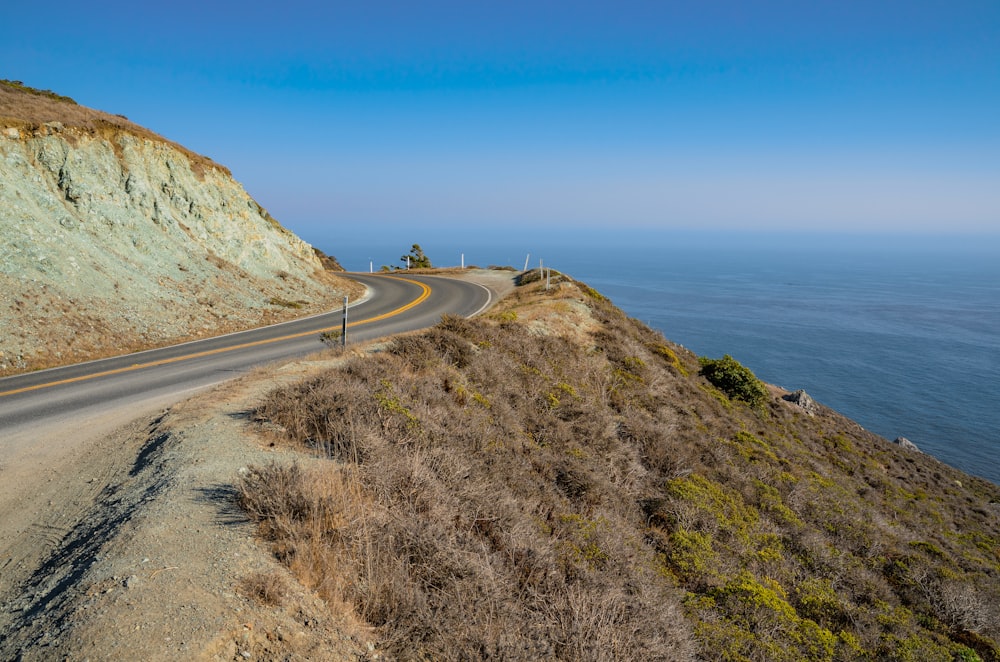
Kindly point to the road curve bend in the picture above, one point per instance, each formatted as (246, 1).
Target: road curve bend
(394, 304)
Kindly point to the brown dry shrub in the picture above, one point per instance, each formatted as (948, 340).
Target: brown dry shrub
(516, 495)
(266, 588)
(493, 528)
(465, 576)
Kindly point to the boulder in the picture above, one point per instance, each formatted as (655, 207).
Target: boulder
(903, 442)
(802, 399)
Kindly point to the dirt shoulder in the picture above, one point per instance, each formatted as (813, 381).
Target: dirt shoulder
(120, 538)
(131, 546)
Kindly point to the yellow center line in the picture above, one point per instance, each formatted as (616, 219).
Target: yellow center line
(425, 292)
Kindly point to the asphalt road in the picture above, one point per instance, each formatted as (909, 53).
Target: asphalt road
(393, 305)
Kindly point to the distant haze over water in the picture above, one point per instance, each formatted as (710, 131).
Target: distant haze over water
(902, 334)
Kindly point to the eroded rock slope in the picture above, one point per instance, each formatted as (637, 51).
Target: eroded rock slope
(113, 238)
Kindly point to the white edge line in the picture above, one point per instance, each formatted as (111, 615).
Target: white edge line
(489, 298)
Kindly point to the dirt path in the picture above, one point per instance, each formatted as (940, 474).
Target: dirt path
(49, 477)
(131, 547)
(120, 538)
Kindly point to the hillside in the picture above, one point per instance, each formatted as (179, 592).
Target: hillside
(557, 481)
(112, 238)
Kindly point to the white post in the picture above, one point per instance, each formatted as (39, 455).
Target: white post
(371, 266)
(343, 326)
(407, 262)
(526, 258)
(463, 260)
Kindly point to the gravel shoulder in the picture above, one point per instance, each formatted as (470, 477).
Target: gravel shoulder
(131, 545)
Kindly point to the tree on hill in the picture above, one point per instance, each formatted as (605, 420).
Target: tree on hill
(416, 259)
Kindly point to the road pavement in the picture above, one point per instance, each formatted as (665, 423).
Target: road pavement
(394, 304)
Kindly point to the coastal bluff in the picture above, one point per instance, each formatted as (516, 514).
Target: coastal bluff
(112, 238)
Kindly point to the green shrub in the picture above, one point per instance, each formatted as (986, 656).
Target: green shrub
(692, 556)
(734, 379)
(18, 85)
(285, 303)
(754, 619)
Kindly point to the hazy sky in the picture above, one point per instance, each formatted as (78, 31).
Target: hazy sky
(840, 115)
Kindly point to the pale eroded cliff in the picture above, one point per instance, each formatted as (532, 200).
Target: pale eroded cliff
(112, 239)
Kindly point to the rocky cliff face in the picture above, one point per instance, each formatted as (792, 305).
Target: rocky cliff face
(112, 238)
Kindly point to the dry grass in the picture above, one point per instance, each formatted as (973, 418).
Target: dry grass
(266, 588)
(30, 112)
(499, 492)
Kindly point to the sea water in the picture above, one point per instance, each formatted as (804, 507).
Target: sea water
(901, 334)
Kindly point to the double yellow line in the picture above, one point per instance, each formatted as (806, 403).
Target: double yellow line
(425, 292)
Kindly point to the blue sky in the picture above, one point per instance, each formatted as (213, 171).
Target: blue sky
(840, 116)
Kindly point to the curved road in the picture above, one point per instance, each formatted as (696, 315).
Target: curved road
(394, 304)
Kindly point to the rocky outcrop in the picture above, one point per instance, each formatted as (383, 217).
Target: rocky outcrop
(903, 442)
(803, 400)
(113, 239)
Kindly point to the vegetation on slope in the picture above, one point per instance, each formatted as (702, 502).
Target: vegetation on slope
(558, 481)
(329, 262)
(49, 94)
(34, 111)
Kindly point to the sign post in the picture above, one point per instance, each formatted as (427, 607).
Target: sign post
(343, 326)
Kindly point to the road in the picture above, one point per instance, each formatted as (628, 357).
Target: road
(393, 305)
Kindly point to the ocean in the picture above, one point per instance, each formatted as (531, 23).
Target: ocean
(900, 334)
